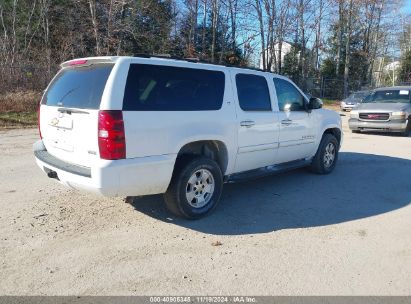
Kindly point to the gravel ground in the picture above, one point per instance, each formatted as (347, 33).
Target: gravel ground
(347, 233)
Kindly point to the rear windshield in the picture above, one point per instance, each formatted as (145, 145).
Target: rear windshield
(389, 96)
(166, 88)
(79, 87)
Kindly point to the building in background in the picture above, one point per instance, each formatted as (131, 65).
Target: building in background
(285, 49)
(386, 74)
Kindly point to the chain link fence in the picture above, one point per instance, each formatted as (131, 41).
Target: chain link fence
(332, 88)
(35, 78)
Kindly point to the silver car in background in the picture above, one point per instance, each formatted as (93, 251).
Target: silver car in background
(384, 109)
(353, 100)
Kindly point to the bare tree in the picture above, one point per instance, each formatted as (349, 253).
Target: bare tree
(340, 35)
(215, 11)
(375, 40)
(233, 10)
(93, 15)
(347, 49)
(204, 26)
(281, 32)
(264, 51)
(318, 37)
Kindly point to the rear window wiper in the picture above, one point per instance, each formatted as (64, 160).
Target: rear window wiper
(69, 111)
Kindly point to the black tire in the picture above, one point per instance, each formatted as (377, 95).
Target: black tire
(408, 129)
(318, 164)
(356, 131)
(175, 197)
(405, 133)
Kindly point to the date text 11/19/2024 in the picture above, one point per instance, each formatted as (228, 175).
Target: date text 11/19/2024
(203, 299)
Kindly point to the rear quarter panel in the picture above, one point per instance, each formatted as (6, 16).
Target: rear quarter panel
(153, 133)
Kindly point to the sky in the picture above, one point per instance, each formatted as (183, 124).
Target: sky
(407, 7)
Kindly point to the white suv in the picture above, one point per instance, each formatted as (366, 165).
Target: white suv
(131, 126)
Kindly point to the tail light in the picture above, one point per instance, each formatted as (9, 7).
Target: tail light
(38, 120)
(78, 62)
(111, 136)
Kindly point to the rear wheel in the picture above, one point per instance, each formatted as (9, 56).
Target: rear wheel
(195, 188)
(326, 157)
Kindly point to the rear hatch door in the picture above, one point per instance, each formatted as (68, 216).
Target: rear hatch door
(69, 112)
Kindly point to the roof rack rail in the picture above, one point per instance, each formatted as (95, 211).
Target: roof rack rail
(246, 68)
(194, 60)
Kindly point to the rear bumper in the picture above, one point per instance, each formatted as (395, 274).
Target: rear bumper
(125, 177)
(383, 126)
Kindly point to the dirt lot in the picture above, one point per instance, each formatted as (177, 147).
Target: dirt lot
(297, 233)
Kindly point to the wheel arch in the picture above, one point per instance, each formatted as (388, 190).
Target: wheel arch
(213, 149)
(334, 131)
(331, 123)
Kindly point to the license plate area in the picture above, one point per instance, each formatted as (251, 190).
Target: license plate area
(61, 135)
(63, 122)
(62, 139)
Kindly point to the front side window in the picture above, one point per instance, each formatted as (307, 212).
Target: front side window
(289, 98)
(253, 93)
(166, 88)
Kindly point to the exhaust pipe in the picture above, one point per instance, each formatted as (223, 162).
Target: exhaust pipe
(52, 174)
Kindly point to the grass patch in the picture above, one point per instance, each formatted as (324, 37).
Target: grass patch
(19, 109)
(331, 104)
(18, 119)
(22, 101)
(327, 101)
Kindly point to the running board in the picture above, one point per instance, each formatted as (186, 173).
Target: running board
(265, 171)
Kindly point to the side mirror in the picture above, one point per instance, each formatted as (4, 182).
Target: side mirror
(315, 103)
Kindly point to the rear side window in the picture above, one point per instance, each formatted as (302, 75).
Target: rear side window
(167, 88)
(79, 87)
(253, 94)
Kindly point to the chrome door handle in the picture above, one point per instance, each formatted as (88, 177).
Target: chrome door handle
(247, 123)
(286, 122)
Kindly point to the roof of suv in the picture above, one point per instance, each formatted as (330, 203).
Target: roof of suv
(107, 59)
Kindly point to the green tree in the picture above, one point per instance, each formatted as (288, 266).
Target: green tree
(291, 64)
(405, 70)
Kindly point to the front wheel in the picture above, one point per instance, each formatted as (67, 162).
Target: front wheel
(326, 157)
(407, 130)
(195, 188)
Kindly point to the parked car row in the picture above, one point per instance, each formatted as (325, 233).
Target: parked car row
(383, 110)
(353, 100)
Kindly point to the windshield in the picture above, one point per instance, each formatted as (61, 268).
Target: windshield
(358, 95)
(389, 96)
(80, 87)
